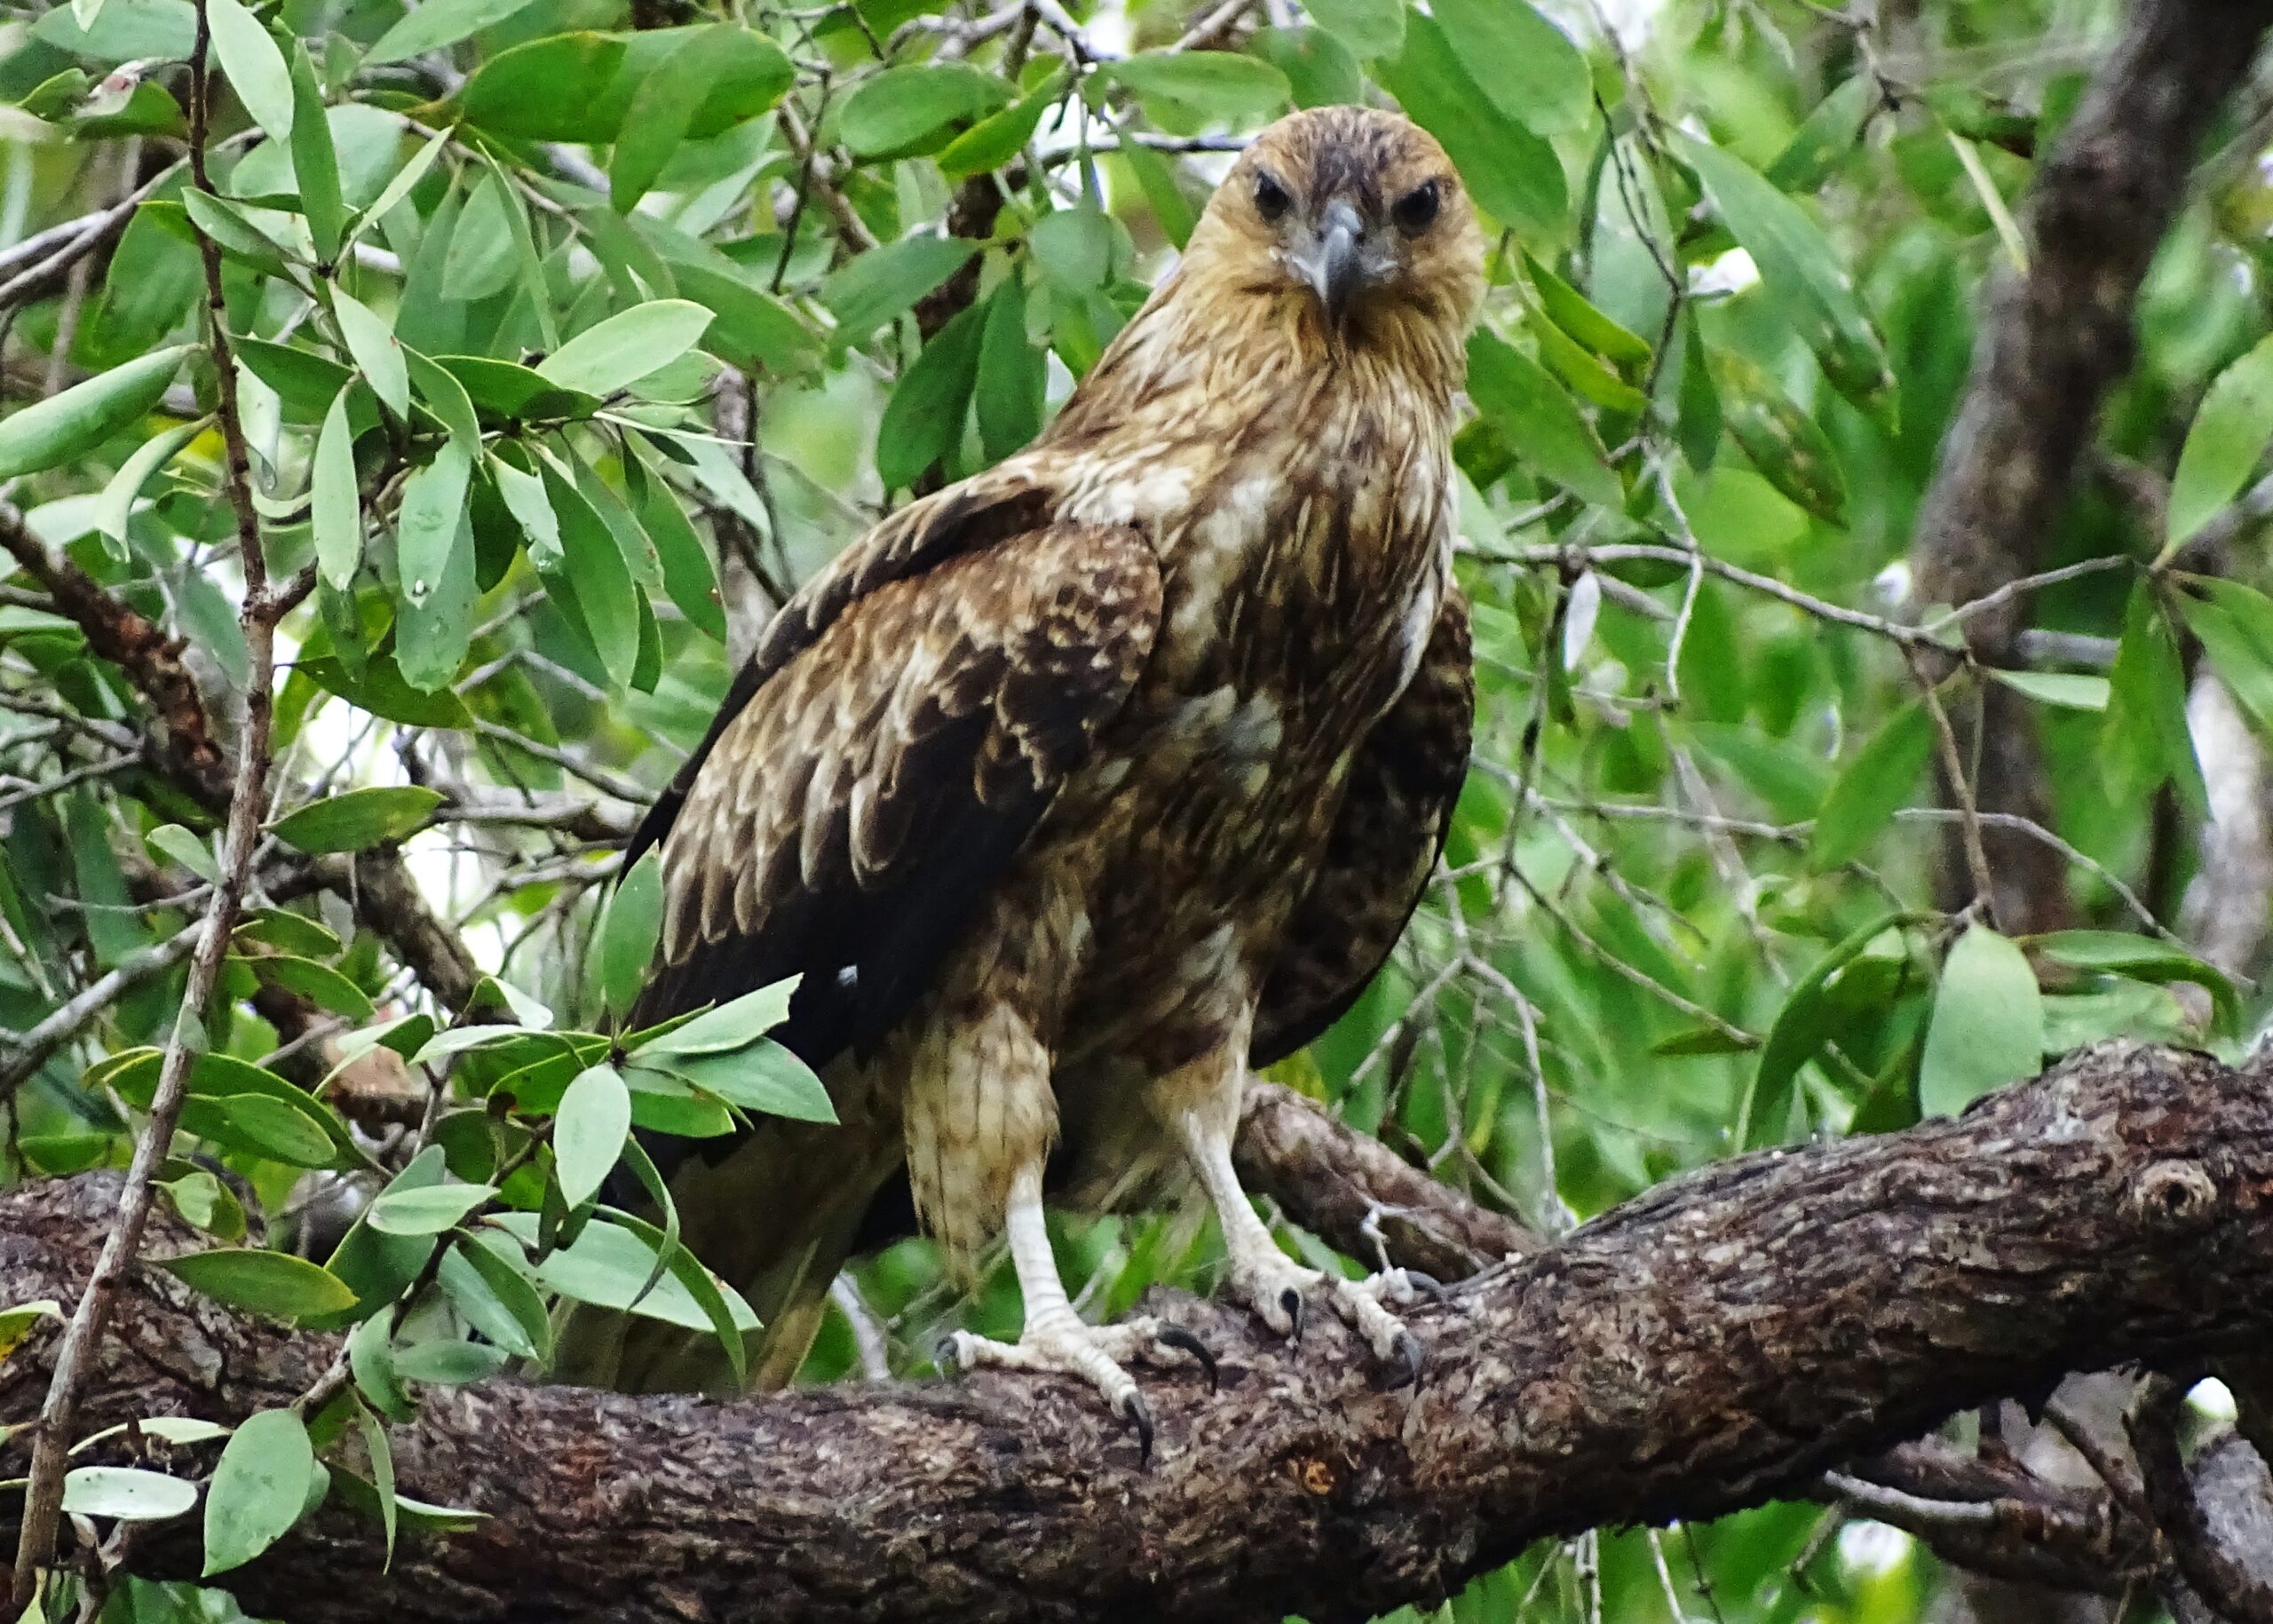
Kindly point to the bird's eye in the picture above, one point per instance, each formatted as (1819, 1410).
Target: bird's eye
(1416, 210)
(1271, 199)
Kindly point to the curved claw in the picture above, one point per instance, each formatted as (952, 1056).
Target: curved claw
(1427, 1285)
(1291, 1300)
(946, 1354)
(1179, 1337)
(1138, 1416)
(1405, 1351)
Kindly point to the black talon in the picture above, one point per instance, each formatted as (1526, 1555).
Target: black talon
(944, 1356)
(1405, 1350)
(1427, 1285)
(1139, 1414)
(1177, 1336)
(1291, 1300)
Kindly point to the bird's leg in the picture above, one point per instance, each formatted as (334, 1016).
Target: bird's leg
(1055, 1337)
(1274, 1284)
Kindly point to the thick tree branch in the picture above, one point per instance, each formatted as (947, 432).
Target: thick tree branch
(1720, 1340)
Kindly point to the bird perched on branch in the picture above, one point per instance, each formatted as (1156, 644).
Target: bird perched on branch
(1077, 788)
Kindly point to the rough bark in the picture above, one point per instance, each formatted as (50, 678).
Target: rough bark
(2054, 341)
(1715, 1343)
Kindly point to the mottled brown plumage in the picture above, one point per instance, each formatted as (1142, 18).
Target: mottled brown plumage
(1074, 787)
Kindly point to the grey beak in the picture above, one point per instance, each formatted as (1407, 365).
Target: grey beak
(1339, 267)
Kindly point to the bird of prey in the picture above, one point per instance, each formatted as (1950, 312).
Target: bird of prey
(1077, 788)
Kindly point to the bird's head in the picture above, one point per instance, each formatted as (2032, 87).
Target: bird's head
(1359, 214)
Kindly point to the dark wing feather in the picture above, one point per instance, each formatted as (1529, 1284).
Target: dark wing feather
(846, 818)
(1395, 813)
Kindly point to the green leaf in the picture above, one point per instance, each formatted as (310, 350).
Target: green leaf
(594, 579)
(1013, 374)
(1513, 175)
(259, 1282)
(764, 1077)
(304, 382)
(2142, 958)
(1808, 1020)
(1073, 248)
(204, 1202)
(315, 166)
(427, 1210)
(2235, 627)
(277, 1129)
(409, 175)
(1796, 263)
(1000, 136)
(523, 1328)
(2069, 690)
(370, 339)
(483, 258)
(1218, 84)
(608, 1265)
(633, 925)
(1829, 133)
(287, 932)
(1162, 194)
(320, 983)
(2145, 736)
(358, 819)
(437, 23)
(255, 66)
(434, 557)
(175, 844)
(176, 1429)
(884, 283)
(1539, 420)
(335, 502)
(68, 426)
(1570, 310)
(1987, 1028)
(689, 577)
(128, 1493)
(116, 506)
(665, 106)
(259, 1488)
(2224, 444)
(370, 1355)
(1319, 67)
(907, 110)
(125, 31)
(1526, 65)
(1369, 28)
(1785, 444)
(381, 1457)
(625, 347)
(733, 1025)
(1871, 787)
(382, 691)
(924, 420)
(589, 1131)
(545, 90)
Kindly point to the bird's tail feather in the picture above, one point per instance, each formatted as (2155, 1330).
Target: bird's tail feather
(776, 1219)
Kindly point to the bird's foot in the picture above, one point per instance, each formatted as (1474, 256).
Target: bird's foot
(1280, 1289)
(1094, 1353)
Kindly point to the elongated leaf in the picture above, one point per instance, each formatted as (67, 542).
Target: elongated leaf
(908, 109)
(1513, 174)
(259, 1489)
(886, 281)
(315, 166)
(529, 1333)
(484, 256)
(1209, 83)
(434, 555)
(1807, 1021)
(2227, 440)
(2069, 690)
(1369, 28)
(116, 504)
(320, 983)
(370, 339)
(634, 924)
(273, 1283)
(1988, 1024)
(628, 346)
(764, 1077)
(177, 844)
(658, 119)
(426, 1210)
(358, 819)
(437, 23)
(589, 1131)
(127, 1493)
(255, 66)
(274, 1128)
(1539, 419)
(596, 580)
(2143, 959)
(924, 420)
(70, 424)
(732, 1025)
(336, 508)
(1871, 787)
(2145, 735)
(1526, 65)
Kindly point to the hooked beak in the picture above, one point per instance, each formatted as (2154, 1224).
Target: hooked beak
(1337, 266)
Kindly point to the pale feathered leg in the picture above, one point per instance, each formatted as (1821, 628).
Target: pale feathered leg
(1055, 1337)
(1274, 1284)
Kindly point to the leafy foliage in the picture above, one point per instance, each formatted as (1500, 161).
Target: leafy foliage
(564, 339)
